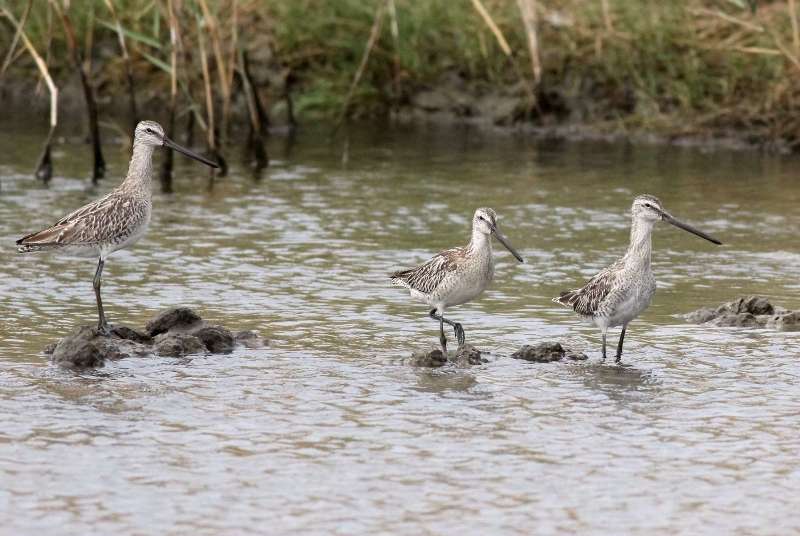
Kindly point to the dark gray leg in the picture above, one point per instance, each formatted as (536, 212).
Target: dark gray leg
(102, 325)
(604, 346)
(457, 328)
(442, 338)
(619, 345)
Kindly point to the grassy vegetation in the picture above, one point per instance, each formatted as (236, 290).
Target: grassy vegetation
(677, 66)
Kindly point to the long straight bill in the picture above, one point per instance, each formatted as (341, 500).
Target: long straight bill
(503, 240)
(686, 227)
(191, 154)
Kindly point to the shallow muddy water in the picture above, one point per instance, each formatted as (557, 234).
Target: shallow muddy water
(329, 430)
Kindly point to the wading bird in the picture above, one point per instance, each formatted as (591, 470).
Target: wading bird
(457, 275)
(115, 221)
(621, 292)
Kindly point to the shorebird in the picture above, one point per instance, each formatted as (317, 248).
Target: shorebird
(456, 276)
(621, 292)
(115, 221)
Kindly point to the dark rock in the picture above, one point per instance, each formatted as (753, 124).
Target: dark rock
(785, 322)
(250, 339)
(740, 320)
(748, 311)
(544, 352)
(130, 334)
(177, 318)
(755, 305)
(217, 340)
(50, 348)
(547, 352)
(701, 316)
(178, 345)
(431, 358)
(576, 356)
(78, 350)
(113, 348)
(468, 355)
(178, 332)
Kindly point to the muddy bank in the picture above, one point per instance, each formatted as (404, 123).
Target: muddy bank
(561, 110)
(176, 332)
(748, 311)
(568, 110)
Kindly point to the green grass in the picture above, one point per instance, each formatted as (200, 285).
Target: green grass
(680, 68)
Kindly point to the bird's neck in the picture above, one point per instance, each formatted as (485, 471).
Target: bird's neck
(480, 243)
(641, 244)
(140, 170)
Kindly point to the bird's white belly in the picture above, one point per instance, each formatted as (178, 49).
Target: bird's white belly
(631, 306)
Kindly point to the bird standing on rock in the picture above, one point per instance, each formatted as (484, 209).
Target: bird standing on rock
(456, 276)
(115, 221)
(621, 292)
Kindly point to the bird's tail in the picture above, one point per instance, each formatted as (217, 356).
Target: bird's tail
(35, 242)
(400, 279)
(566, 298)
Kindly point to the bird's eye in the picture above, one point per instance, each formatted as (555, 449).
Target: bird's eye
(150, 130)
(648, 205)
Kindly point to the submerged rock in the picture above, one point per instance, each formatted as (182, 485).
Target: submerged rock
(465, 355)
(217, 339)
(176, 332)
(428, 358)
(177, 318)
(748, 311)
(547, 352)
(250, 339)
(178, 345)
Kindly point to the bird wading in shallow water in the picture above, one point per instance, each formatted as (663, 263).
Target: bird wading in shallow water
(115, 221)
(457, 275)
(624, 290)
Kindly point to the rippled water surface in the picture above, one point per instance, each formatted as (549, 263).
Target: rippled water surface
(330, 430)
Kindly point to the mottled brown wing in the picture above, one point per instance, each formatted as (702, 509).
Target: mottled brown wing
(100, 221)
(587, 299)
(427, 276)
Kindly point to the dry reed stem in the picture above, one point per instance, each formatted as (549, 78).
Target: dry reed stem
(528, 10)
(207, 85)
(607, 16)
(795, 27)
(216, 44)
(167, 163)
(127, 61)
(10, 54)
(91, 105)
(44, 169)
(498, 35)
(374, 33)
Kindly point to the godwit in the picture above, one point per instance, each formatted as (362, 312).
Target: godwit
(457, 275)
(115, 221)
(623, 291)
